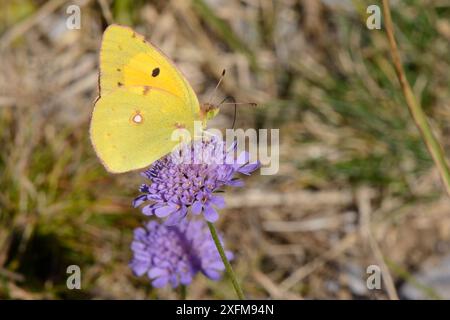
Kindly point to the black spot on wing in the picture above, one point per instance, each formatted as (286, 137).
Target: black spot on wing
(155, 72)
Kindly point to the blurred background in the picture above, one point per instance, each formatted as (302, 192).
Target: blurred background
(356, 186)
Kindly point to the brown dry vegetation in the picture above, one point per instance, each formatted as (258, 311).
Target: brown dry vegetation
(356, 185)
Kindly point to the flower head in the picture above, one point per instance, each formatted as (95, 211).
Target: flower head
(174, 254)
(191, 177)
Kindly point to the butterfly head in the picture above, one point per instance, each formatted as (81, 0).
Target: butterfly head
(208, 111)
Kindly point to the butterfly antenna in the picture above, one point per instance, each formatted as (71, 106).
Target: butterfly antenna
(233, 101)
(234, 116)
(213, 94)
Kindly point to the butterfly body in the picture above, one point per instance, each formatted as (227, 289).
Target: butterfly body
(143, 99)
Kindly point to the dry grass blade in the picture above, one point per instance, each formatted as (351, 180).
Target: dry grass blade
(415, 108)
(363, 201)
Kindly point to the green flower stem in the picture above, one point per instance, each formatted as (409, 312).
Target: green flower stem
(183, 292)
(227, 264)
(419, 116)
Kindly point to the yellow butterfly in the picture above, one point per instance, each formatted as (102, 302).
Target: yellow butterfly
(143, 98)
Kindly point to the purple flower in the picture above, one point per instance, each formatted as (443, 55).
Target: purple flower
(174, 254)
(191, 177)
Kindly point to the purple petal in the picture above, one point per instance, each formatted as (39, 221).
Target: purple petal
(152, 225)
(140, 233)
(139, 268)
(197, 207)
(229, 254)
(146, 174)
(148, 210)
(217, 265)
(139, 200)
(242, 158)
(157, 272)
(212, 274)
(138, 246)
(152, 196)
(218, 201)
(249, 168)
(176, 217)
(165, 211)
(210, 213)
(160, 282)
(186, 278)
(236, 183)
(174, 280)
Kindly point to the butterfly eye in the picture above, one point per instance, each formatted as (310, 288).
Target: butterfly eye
(155, 72)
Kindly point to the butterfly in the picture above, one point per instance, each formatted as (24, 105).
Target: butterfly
(143, 98)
